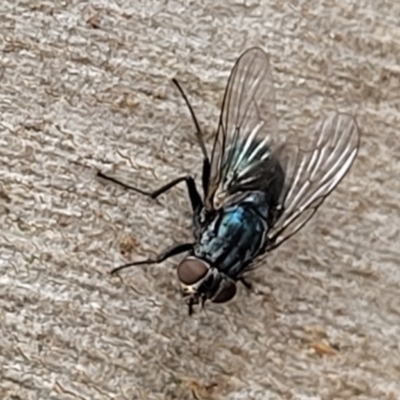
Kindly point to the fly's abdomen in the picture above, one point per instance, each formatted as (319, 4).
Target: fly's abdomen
(233, 239)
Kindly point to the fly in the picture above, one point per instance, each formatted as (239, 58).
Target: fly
(260, 186)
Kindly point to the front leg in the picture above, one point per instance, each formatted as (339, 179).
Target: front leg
(167, 253)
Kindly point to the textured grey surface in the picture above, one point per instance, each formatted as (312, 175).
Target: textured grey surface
(86, 87)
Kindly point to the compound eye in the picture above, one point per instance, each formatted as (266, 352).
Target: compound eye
(227, 292)
(192, 270)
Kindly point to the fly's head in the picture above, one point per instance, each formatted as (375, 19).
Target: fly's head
(201, 282)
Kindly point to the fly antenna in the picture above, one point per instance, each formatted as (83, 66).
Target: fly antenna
(199, 134)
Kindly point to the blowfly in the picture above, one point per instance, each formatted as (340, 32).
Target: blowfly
(259, 186)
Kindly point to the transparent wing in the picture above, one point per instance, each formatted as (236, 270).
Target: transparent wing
(296, 171)
(240, 156)
(314, 166)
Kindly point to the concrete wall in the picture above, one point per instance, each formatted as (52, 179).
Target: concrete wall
(86, 86)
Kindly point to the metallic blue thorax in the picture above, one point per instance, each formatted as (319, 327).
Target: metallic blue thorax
(235, 235)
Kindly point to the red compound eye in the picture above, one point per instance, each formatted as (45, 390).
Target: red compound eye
(227, 292)
(192, 270)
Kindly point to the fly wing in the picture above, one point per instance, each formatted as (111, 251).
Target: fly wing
(249, 154)
(240, 158)
(319, 161)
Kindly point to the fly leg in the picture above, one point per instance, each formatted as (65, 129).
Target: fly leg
(268, 297)
(194, 195)
(246, 283)
(167, 253)
(199, 135)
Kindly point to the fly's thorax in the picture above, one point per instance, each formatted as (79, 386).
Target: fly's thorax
(234, 236)
(199, 280)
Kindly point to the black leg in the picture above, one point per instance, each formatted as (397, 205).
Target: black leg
(171, 251)
(246, 284)
(199, 135)
(194, 195)
(206, 176)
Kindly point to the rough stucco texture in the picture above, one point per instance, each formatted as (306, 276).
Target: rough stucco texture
(86, 86)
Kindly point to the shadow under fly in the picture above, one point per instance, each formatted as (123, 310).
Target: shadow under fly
(259, 187)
